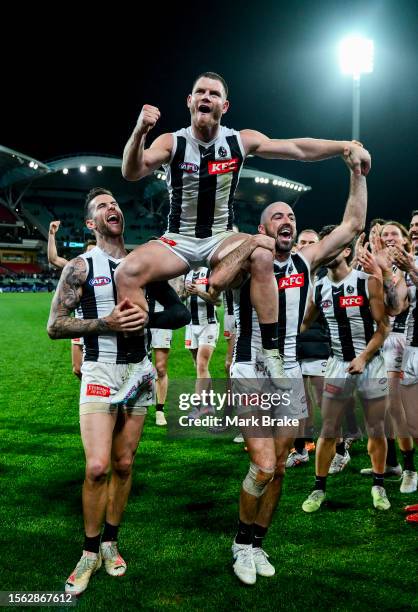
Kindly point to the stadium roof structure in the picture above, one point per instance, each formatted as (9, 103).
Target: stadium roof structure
(72, 176)
(17, 167)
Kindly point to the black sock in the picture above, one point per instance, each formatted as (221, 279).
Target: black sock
(269, 335)
(320, 483)
(92, 544)
(160, 407)
(244, 533)
(408, 460)
(110, 532)
(340, 448)
(378, 480)
(258, 534)
(391, 458)
(300, 445)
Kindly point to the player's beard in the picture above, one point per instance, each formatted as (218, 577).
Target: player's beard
(284, 247)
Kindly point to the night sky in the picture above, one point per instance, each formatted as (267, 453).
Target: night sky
(74, 82)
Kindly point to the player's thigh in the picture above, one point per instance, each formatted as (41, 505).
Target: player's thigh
(262, 451)
(226, 246)
(127, 434)
(161, 359)
(96, 434)
(204, 354)
(332, 413)
(374, 415)
(152, 262)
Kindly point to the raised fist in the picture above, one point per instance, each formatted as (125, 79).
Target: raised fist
(148, 118)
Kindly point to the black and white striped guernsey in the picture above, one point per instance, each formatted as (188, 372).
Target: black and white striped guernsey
(201, 180)
(293, 283)
(412, 320)
(345, 306)
(202, 312)
(228, 302)
(97, 301)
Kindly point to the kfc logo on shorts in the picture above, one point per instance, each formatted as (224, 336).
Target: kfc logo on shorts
(188, 343)
(354, 300)
(326, 304)
(188, 167)
(227, 334)
(98, 390)
(99, 281)
(292, 281)
(223, 167)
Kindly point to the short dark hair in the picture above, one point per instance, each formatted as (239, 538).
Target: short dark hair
(413, 213)
(327, 229)
(215, 76)
(91, 195)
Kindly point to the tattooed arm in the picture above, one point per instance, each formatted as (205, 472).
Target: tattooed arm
(126, 316)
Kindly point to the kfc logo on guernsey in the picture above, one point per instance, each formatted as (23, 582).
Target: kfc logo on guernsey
(201, 281)
(223, 167)
(99, 281)
(293, 281)
(353, 300)
(189, 167)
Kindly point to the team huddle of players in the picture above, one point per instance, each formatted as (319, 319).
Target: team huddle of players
(278, 293)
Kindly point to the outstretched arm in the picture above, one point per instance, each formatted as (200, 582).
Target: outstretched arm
(53, 257)
(137, 161)
(126, 316)
(307, 149)
(353, 222)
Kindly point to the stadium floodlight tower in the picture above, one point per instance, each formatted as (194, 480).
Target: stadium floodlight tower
(356, 58)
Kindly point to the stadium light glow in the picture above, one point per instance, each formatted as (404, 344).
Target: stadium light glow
(31, 164)
(35, 166)
(83, 169)
(356, 55)
(257, 180)
(99, 168)
(65, 170)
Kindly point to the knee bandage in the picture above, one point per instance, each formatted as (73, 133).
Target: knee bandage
(257, 479)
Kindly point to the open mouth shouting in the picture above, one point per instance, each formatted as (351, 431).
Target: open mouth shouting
(204, 108)
(113, 218)
(285, 232)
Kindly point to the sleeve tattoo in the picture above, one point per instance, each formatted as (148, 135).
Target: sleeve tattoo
(67, 297)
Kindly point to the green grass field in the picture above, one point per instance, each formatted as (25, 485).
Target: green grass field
(181, 518)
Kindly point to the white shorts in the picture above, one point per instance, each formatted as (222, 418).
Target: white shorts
(102, 380)
(313, 367)
(393, 349)
(410, 366)
(195, 252)
(229, 326)
(371, 384)
(198, 335)
(251, 377)
(161, 338)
